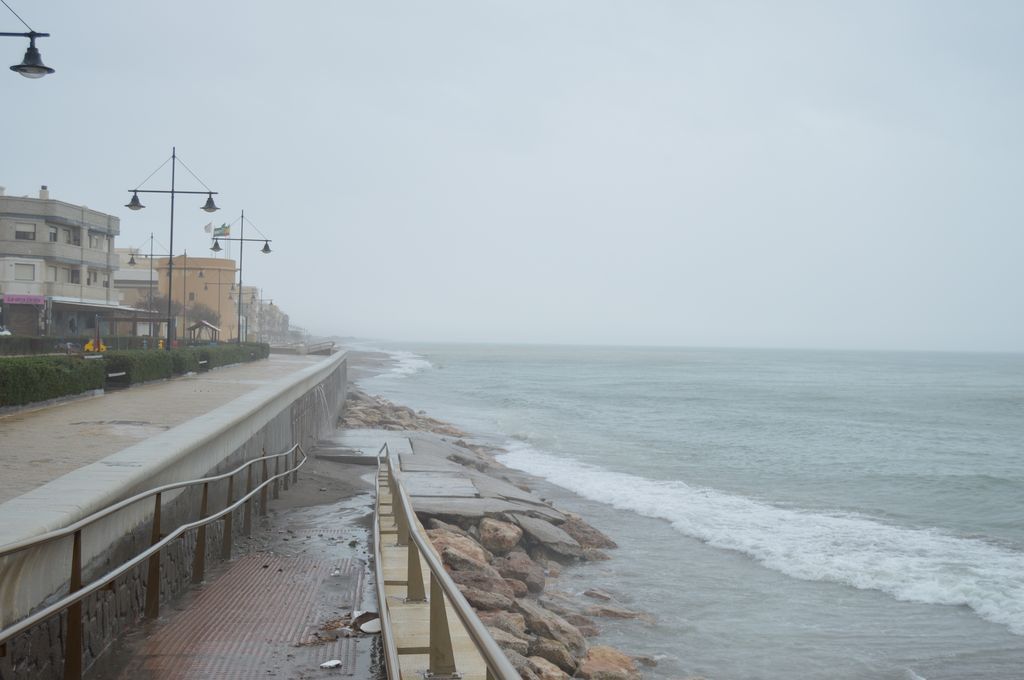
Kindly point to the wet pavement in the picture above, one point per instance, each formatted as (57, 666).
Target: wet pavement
(42, 443)
(278, 609)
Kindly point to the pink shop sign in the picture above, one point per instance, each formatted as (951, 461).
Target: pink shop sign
(13, 299)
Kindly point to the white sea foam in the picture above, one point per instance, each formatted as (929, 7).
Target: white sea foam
(407, 363)
(917, 565)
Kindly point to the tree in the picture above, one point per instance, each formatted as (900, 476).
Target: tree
(160, 305)
(198, 311)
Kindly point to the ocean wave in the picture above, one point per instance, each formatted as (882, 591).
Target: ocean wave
(916, 565)
(405, 363)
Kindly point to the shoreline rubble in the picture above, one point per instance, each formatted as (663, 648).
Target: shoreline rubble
(504, 552)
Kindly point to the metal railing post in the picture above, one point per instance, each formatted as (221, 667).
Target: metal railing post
(286, 475)
(263, 491)
(225, 547)
(442, 659)
(398, 510)
(277, 480)
(73, 651)
(247, 515)
(295, 466)
(414, 591)
(199, 560)
(153, 579)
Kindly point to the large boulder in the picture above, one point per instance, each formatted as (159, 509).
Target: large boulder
(541, 622)
(586, 535)
(549, 536)
(435, 523)
(459, 561)
(521, 664)
(546, 670)
(586, 626)
(611, 611)
(483, 600)
(598, 594)
(607, 663)
(555, 652)
(510, 622)
(518, 565)
(442, 538)
(481, 581)
(518, 587)
(559, 602)
(508, 641)
(499, 537)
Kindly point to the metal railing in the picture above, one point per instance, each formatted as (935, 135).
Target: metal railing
(77, 591)
(442, 587)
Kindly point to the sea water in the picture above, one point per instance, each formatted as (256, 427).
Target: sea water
(781, 514)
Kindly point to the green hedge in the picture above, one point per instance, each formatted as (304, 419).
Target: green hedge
(24, 380)
(139, 365)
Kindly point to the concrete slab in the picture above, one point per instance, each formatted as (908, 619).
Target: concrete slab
(434, 484)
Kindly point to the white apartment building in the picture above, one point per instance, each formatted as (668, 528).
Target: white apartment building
(57, 265)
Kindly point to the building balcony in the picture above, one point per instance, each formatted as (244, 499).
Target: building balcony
(62, 253)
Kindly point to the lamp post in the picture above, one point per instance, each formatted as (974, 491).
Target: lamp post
(241, 249)
(131, 263)
(261, 309)
(135, 204)
(185, 269)
(207, 284)
(32, 65)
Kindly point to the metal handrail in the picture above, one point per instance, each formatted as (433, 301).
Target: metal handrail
(82, 591)
(390, 652)
(70, 530)
(497, 663)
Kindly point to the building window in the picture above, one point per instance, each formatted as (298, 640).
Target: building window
(53, 234)
(67, 236)
(73, 275)
(24, 272)
(25, 232)
(51, 274)
(191, 297)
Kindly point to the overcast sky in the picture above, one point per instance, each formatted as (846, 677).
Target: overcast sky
(795, 174)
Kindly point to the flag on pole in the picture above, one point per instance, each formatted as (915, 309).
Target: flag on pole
(222, 230)
(208, 228)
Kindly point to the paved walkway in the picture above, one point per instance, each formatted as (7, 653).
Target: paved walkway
(282, 606)
(37, 446)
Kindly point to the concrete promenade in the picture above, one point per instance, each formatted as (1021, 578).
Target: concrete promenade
(39, 445)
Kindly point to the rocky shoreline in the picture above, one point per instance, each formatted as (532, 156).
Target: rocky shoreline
(506, 563)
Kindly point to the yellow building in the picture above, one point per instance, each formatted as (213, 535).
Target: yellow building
(204, 287)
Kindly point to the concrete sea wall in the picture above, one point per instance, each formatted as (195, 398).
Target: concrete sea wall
(298, 409)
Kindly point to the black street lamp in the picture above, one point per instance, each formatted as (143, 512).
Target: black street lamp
(32, 65)
(136, 204)
(241, 249)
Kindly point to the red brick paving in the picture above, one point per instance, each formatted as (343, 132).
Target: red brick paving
(250, 622)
